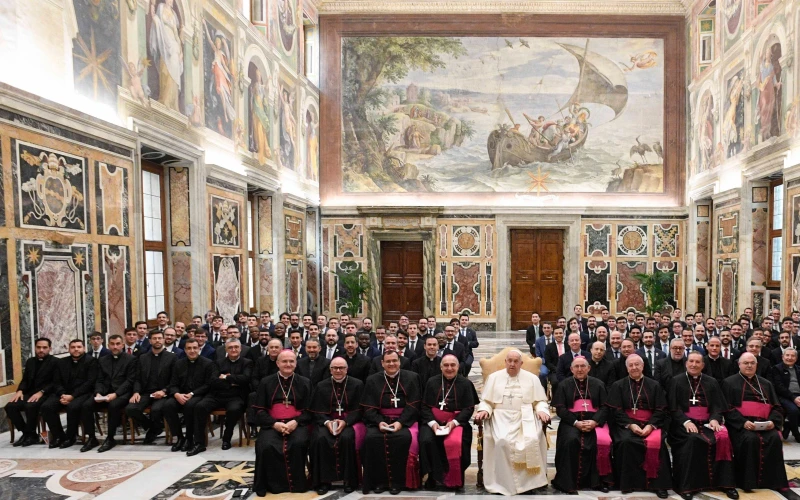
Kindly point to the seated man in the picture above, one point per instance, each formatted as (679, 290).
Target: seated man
(565, 360)
(428, 365)
(191, 379)
(583, 455)
(639, 409)
(515, 410)
(74, 381)
(786, 379)
(151, 378)
(448, 403)
(758, 449)
(228, 391)
(265, 365)
(696, 400)
(111, 392)
(390, 453)
(37, 382)
(281, 406)
(339, 432)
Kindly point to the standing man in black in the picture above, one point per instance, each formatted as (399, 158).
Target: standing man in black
(534, 332)
(37, 382)
(152, 375)
(191, 380)
(314, 366)
(229, 391)
(357, 364)
(111, 392)
(469, 338)
(74, 380)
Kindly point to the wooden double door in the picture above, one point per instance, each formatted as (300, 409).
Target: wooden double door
(402, 280)
(537, 272)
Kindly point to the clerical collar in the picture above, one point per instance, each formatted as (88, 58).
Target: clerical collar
(339, 381)
(637, 380)
(391, 376)
(285, 378)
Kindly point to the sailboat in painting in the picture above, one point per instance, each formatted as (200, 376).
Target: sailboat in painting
(558, 138)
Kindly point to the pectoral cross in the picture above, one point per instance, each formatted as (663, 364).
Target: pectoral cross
(634, 409)
(395, 400)
(339, 409)
(694, 400)
(585, 405)
(442, 404)
(286, 402)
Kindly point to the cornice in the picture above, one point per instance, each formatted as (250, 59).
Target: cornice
(629, 7)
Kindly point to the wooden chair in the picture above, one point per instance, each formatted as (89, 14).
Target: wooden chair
(132, 426)
(11, 429)
(244, 431)
(489, 366)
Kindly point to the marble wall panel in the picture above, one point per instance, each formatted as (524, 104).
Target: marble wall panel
(727, 286)
(794, 297)
(795, 225)
(294, 284)
(266, 283)
(294, 235)
(665, 240)
(703, 250)
(115, 289)
(629, 292)
(597, 276)
(111, 193)
(179, 207)
(182, 286)
(326, 268)
(2, 191)
(311, 285)
(348, 240)
(466, 287)
(226, 222)
(758, 304)
(728, 233)
(265, 225)
(227, 285)
(632, 240)
(311, 234)
(50, 188)
(760, 227)
(6, 349)
(598, 240)
(466, 241)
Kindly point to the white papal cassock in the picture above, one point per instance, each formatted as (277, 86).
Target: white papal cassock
(514, 443)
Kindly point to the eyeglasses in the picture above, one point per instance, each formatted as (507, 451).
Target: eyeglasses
(338, 367)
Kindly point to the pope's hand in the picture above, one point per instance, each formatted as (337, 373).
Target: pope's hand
(543, 416)
(481, 416)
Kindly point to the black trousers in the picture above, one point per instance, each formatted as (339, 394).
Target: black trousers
(156, 419)
(51, 411)
(250, 414)
(171, 410)
(233, 406)
(16, 410)
(115, 408)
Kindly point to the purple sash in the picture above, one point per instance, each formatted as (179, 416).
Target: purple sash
(755, 410)
(452, 448)
(412, 464)
(282, 412)
(652, 443)
(603, 437)
(700, 414)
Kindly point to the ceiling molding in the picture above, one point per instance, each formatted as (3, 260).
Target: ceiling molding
(630, 7)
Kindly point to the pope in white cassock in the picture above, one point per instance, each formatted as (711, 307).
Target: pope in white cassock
(514, 408)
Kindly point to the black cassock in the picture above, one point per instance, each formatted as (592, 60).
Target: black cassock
(390, 459)
(577, 464)
(439, 455)
(335, 458)
(700, 460)
(758, 456)
(638, 466)
(281, 460)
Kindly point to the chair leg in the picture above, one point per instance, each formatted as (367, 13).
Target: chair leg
(97, 417)
(11, 430)
(241, 426)
(167, 432)
(209, 430)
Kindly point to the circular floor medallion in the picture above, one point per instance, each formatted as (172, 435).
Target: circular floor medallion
(6, 465)
(105, 471)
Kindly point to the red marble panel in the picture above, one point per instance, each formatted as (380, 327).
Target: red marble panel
(311, 283)
(114, 268)
(465, 277)
(629, 291)
(58, 302)
(703, 245)
(182, 286)
(265, 285)
(760, 227)
(726, 289)
(293, 286)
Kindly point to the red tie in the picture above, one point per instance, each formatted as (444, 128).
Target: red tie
(726, 353)
(130, 350)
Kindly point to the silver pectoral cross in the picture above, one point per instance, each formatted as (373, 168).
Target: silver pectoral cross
(442, 404)
(585, 405)
(395, 400)
(694, 400)
(634, 409)
(339, 409)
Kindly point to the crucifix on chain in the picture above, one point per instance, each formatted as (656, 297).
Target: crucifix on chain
(395, 400)
(585, 405)
(339, 409)
(442, 404)
(694, 400)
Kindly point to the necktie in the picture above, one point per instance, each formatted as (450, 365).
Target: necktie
(330, 352)
(96, 355)
(616, 354)
(560, 349)
(726, 353)
(650, 357)
(263, 351)
(380, 347)
(130, 350)
(411, 345)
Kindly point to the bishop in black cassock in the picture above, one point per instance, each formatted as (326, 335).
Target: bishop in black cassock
(281, 411)
(339, 431)
(448, 402)
(758, 453)
(583, 455)
(639, 409)
(701, 456)
(391, 410)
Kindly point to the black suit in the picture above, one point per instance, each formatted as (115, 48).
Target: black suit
(780, 379)
(263, 367)
(104, 351)
(189, 377)
(408, 353)
(115, 376)
(658, 355)
(213, 340)
(38, 376)
(470, 340)
(719, 368)
(565, 363)
(229, 394)
(319, 372)
(531, 334)
(72, 378)
(419, 346)
(426, 368)
(323, 353)
(358, 366)
(254, 353)
(145, 383)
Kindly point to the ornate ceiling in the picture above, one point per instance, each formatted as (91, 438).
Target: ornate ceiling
(632, 7)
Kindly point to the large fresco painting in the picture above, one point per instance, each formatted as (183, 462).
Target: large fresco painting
(218, 70)
(96, 55)
(503, 114)
(165, 53)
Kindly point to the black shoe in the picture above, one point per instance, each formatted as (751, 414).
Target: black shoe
(187, 445)
(107, 445)
(349, 489)
(430, 484)
(732, 493)
(19, 441)
(322, 489)
(91, 443)
(365, 491)
(379, 490)
(254, 433)
(180, 443)
(31, 440)
(603, 488)
(662, 494)
(150, 437)
(687, 496)
(627, 492)
(226, 445)
(68, 443)
(395, 491)
(785, 432)
(196, 450)
(56, 443)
